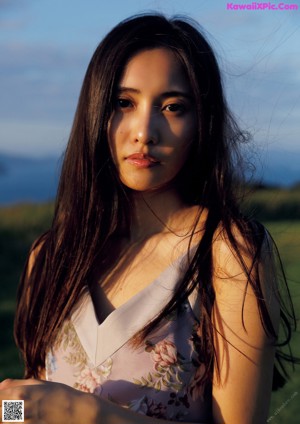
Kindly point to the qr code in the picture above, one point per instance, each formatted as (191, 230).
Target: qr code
(13, 411)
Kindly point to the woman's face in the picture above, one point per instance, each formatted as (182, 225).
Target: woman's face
(154, 122)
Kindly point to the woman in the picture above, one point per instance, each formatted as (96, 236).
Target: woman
(150, 293)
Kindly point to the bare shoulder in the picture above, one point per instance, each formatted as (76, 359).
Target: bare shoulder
(238, 260)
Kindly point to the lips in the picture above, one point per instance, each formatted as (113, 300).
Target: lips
(141, 160)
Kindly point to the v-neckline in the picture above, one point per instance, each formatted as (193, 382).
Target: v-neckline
(179, 263)
(96, 338)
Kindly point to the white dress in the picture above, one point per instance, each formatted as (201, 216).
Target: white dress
(161, 378)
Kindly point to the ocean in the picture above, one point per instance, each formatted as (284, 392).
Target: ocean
(28, 180)
(25, 179)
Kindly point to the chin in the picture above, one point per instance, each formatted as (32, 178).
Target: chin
(151, 188)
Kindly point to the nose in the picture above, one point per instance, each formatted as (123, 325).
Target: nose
(146, 127)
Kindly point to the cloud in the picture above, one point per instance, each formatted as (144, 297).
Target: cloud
(39, 88)
(40, 81)
(19, 56)
(261, 69)
(33, 138)
(267, 102)
(12, 4)
(8, 8)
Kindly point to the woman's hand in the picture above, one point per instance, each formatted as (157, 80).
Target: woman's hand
(50, 403)
(55, 403)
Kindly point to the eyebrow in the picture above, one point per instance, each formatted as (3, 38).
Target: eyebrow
(166, 94)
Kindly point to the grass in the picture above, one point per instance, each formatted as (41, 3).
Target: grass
(285, 403)
(21, 225)
(274, 204)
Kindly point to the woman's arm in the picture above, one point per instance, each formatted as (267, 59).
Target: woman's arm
(50, 403)
(54, 403)
(244, 352)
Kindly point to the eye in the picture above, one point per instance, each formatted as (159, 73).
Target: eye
(123, 103)
(175, 108)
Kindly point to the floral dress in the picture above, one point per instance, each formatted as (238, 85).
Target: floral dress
(161, 378)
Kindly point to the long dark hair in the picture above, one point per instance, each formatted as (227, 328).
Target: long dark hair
(92, 205)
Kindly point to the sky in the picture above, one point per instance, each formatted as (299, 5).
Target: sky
(46, 45)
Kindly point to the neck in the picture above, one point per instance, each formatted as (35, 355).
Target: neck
(155, 212)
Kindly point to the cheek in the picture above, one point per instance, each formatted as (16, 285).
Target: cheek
(113, 136)
(186, 137)
(117, 132)
(182, 155)
(191, 128)
(184, 144)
